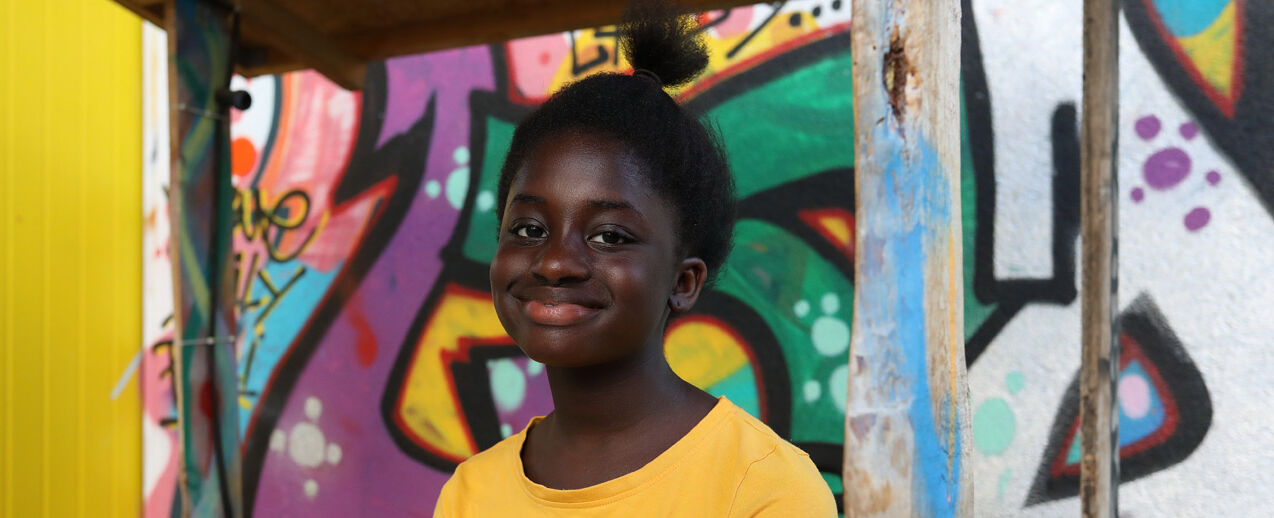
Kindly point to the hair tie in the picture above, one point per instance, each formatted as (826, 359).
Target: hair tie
(641, 72)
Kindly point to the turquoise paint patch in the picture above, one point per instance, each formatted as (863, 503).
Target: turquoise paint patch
(1073, 454)
(1005, 477)
(1014, 381)
(740, 387)
(479, 244)
(993, 426)
(1189, 17)
(508, 384)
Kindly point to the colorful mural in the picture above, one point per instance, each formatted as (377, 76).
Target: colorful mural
(363, 225)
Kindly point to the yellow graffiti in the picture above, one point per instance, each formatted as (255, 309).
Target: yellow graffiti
(429, 407)
(1212, 51)
(703, 351)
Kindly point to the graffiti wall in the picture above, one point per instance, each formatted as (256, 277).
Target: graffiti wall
(1196, 170)
(371, 361)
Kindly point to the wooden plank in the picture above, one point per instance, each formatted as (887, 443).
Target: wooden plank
(1099, 424)
(205, 377)
(907, 417)
(473, 28)
(283, 30)
(151, 10)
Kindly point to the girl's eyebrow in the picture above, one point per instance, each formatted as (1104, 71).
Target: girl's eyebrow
(527, 198)
(613, 205)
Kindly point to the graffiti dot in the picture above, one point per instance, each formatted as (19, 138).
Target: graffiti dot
(1014, 381)
(333, 454)
(1214, 177)
(485, 201)
(1189, 130)
(993, 426)
(1147, 127)
(830, 303)
(505, 430)
(1166, 168)
(457, 184)
(812, 391)
(534, 368)
(1197, 218)
(311, 489)
(306, 445)
(836, 5)
(1138, 194)
(544, 58)
(508, 385)
(433, 189)
(1005, 477)
(816, 11)
(838, 386)
(1134, 395)
(794, 20)
(277, 440)
(243, 155)
(313, 408)
(461, 155)
(830, 335)
(801, 308)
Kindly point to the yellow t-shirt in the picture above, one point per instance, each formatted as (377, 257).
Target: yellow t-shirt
(730, 464)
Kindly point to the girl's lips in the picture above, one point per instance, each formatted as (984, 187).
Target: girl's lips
(550, 314)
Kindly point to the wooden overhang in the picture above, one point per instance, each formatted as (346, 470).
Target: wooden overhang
(339, 37)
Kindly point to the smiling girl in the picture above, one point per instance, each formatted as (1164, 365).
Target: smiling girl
(616, 210)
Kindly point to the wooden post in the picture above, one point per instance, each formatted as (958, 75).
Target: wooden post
(204, 373)
(907, 417)
(1099, 424)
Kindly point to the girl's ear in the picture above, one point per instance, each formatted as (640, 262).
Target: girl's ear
(692, 274)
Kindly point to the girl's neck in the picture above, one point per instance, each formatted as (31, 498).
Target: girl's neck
(603, 401)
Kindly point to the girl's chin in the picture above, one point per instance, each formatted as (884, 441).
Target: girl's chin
(557, 354)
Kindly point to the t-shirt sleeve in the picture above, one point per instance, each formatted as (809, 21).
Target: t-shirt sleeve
(781, 484)
(446, 506)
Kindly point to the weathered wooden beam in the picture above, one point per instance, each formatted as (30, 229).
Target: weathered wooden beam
(1099, 424)
(477, 27)
(151, 10)
(906, 423)
(283, 30)
(205, 376)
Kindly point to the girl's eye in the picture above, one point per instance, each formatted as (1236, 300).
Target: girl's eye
(529, 232)
(609, 238)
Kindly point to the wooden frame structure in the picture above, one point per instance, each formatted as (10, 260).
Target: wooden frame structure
(907, 421)
(907, 416)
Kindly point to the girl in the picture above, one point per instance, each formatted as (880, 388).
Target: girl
(616, 209)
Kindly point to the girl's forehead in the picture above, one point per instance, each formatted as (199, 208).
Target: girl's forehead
(577, 167)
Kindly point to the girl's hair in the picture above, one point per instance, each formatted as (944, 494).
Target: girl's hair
(681, 158)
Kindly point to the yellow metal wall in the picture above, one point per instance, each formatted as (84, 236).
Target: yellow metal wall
(70, 257)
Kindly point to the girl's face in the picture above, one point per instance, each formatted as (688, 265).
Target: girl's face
(587, 267)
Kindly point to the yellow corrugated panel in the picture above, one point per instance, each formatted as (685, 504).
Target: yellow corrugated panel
(70, 264)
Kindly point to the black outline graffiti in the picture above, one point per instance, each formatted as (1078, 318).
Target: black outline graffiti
(1143, 323)
(1011, 295)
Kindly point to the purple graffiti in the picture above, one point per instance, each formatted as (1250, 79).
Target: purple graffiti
(1166, 168)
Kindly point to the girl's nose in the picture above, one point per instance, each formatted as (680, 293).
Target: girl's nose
(561, 259)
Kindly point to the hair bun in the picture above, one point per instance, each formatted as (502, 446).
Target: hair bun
(657, 38)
